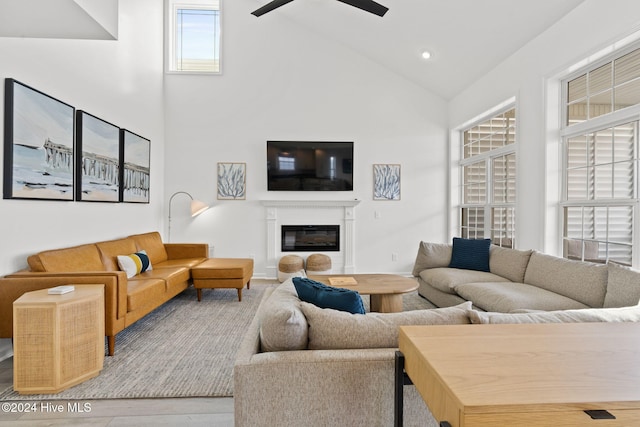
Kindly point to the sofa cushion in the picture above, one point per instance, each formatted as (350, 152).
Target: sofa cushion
(171, 276)
(76, 258)
(621, 314)
(176, 263)
(505, 297)
(333, 329)
(623, 286)
(283, 327)
(327, 296)
(446, 279)
(144, 293)
(110, 249)
(135, 263)
(470, 254)
(152, 244)
(581, 281)
(432, 255)
(509, 263)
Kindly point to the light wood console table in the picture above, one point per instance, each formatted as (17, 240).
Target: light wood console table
(572, 375)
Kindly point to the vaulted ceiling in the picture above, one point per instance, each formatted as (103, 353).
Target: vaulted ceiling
(466, 38)
(65, 19)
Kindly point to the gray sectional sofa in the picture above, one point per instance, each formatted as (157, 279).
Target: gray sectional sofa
(524, 280)
(303, 365)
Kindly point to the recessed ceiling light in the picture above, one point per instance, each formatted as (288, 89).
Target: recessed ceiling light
(426, 54)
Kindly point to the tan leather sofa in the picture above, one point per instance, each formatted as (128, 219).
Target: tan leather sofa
(126, 299)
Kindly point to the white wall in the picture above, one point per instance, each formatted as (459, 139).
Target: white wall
(118, 81)
(591, 27)
(281, 81)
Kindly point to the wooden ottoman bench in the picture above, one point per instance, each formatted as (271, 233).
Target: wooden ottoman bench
(222, 273)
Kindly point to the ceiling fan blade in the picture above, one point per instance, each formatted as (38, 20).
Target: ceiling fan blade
(367, 5)
(270, 6)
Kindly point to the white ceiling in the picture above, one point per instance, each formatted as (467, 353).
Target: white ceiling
(65, 19)
(466, 38)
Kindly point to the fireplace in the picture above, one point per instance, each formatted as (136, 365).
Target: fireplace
(310, 238)
(341, 212)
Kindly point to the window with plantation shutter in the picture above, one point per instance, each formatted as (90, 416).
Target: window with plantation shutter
(600, 139)
(488, 168)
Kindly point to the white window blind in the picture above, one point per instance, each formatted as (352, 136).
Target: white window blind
(489, 179)
(600, 194)
(608, 87)
(601, 159)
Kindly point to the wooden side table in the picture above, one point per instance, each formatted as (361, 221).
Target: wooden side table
(58, 340)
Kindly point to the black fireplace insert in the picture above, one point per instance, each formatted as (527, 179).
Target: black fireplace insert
(308, 238)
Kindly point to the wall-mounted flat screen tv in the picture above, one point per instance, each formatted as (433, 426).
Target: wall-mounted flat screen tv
(309, 166)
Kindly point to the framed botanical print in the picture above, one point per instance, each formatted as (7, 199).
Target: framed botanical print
(232, 181)
(38, 145)
(386, 182)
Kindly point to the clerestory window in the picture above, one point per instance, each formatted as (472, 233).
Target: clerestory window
(193, 36)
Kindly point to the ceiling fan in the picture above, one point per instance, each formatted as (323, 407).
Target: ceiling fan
(366, 5)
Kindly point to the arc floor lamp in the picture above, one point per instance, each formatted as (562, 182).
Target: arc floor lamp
(197, 207)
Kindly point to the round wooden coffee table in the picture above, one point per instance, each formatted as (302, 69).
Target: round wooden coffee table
(385, 290)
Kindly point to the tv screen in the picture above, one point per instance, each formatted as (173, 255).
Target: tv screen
(309, 166)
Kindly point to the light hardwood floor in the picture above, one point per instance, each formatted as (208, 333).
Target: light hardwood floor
(216, 412)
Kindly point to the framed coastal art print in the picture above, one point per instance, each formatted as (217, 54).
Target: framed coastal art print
(38, 145)
(134, 170)
(98, 159)
(386, 182)
(232, 181)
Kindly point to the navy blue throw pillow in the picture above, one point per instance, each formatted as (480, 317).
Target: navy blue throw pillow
(325, 296)
(470, 254)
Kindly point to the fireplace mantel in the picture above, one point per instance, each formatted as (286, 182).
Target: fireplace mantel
(291, 212)
(310, 203)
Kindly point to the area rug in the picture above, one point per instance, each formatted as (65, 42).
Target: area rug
(184, 348)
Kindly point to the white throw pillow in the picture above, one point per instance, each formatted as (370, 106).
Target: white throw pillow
(135, 263)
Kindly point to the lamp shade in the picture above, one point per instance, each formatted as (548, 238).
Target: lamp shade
(197, 207)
